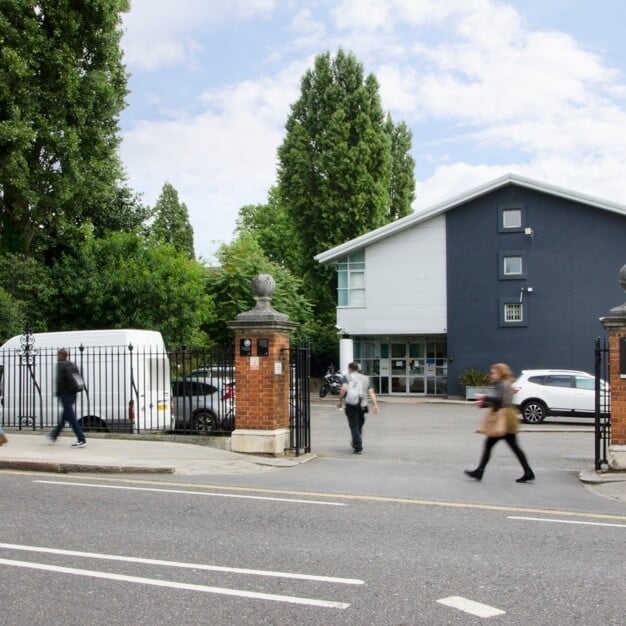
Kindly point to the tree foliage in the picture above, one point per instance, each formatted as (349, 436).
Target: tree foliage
(12, 316)
(123, 280)
(230, 286)
(402, 179)
(62, 87)
(336, 174)
(273, 229)
(171, 222)
(30, 290)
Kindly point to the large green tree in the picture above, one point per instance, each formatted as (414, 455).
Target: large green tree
(273, 229)
(62, 87)
(171, 222)
(336, 166)
(125, 280)
(402, 180)
(230, 287)
(30, 288)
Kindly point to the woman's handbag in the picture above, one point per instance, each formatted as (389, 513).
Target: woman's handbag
(512, 420)
(493, 423)
(499, 423)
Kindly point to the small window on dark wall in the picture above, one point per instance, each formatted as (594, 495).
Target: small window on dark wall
(511, 218)
(513, 312)
(512, 265)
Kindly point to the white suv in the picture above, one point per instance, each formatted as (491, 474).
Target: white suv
(538, 393)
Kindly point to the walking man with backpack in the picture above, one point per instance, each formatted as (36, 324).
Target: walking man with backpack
(354, 394)
(69, 383)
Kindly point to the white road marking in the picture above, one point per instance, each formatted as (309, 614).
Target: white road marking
(174, 585)
(186, 492)
(198, 566)
(469, 606)
(566, 521)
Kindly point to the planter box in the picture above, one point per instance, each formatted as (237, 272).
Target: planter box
(472, 392)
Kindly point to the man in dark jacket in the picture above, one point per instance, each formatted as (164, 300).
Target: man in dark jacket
(67, 389)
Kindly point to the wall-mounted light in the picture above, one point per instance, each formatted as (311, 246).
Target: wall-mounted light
(529, 232)
(522, 290)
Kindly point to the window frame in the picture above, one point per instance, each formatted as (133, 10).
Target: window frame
(503, 302)
(506, 254)
(351, 266)
(521, 207)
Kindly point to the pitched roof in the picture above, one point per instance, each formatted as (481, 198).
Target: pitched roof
(416, 218)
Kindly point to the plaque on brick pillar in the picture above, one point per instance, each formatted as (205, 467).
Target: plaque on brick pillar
(615, 324)
(262, 374)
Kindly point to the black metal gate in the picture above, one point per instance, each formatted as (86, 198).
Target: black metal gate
(603, 403)
(300, 399)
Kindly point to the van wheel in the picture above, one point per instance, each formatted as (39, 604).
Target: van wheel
(93, 423)
(204, 422)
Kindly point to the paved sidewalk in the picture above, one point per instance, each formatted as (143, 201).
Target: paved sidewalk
(114, 455)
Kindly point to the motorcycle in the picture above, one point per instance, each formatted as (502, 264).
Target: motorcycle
(332, 383)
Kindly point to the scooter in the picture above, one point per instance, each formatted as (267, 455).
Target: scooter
(332, 383)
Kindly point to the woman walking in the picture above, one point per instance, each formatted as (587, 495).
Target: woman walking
(500, 398)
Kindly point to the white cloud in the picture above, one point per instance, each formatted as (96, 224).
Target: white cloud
(218, 160)
(307, 30)
(163, 33)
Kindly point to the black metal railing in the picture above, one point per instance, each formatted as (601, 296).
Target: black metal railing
(300, 399)
(134, 389)
(127, 388)
(603, 402)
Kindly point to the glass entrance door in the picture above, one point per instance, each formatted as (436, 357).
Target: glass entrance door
(415, 366)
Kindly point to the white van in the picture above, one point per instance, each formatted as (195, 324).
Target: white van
(126, 374)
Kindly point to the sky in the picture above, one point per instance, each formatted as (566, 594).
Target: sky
(487, 87)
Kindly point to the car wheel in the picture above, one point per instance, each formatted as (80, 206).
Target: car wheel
(204, 422)
(534, 411)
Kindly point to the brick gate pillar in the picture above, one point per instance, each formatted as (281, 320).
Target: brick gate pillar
(615, 324)
(262, 374)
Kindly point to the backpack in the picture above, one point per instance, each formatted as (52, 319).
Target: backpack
(77, 382)
(353, 394)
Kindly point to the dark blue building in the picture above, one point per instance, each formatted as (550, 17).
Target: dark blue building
(530, 269)
(514, 270)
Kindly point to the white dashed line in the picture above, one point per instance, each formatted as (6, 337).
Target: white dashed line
(187, 492)
(175, 585)
(565, 521)
(183, 565)
(471, 607)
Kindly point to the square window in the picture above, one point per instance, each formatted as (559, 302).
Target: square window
(511, 218)
(513, 312)
(513, 266)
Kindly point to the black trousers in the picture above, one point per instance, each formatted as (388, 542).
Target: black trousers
(356, 419)
(511, 440)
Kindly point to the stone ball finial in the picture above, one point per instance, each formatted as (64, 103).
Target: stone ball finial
(263, 286)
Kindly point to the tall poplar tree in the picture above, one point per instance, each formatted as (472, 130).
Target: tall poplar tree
(402, 180)
(62, 87)
(171, 223)
(336, 165)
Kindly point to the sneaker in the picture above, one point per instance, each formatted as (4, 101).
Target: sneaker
(3, 439)
(51, 439)
(79, 444)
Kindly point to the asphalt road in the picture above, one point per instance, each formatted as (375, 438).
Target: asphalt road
(396, 536)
